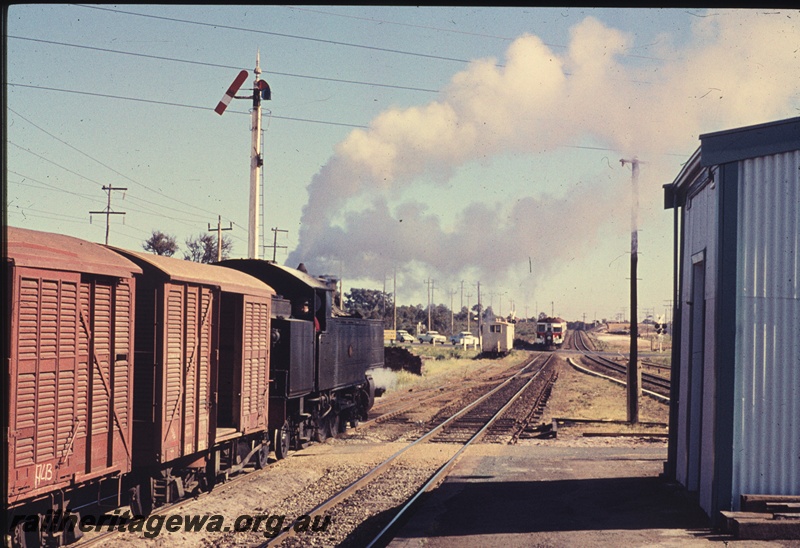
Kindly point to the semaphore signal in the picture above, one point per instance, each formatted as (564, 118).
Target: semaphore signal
(261, 91)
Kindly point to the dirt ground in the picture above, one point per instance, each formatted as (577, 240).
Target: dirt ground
(577, 395)
(598, 490)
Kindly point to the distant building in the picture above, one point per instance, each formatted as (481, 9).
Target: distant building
(497, 335)
(735, 403)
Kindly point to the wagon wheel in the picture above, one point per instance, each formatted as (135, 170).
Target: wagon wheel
(280, 441)
(140, 499)
(261, 458)
(21, 538)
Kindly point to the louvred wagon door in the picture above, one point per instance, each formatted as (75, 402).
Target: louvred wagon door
(43, 375)
(197, 391)
(188, 345)
(104, 373)
(255, 364)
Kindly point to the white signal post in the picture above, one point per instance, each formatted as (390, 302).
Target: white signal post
(256, 161)
(261, 91)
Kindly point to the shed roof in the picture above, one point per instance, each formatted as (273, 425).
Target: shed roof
(36, 249)
(675, 192)
(736, 144)
(732, 145)
(227, 279)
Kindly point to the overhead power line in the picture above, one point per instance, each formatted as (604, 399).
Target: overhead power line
(166, 103)
(215, 65)
(282, 35)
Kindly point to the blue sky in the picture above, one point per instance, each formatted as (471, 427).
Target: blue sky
(456, 143)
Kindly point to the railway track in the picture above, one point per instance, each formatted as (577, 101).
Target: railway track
(464, 427)
(650, 381)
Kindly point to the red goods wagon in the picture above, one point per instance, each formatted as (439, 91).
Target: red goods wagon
(201, 377)
(69, 327)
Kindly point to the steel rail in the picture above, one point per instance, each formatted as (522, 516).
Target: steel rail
(442, 471)
(366, 478)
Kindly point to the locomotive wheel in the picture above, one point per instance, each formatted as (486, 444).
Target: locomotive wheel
(280, 441)
(321, 431)
(334, 424)
(261, 458)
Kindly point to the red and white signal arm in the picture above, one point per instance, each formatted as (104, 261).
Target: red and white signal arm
(234, 87)
(263, 87)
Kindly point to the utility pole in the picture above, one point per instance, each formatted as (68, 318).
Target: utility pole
(452, 318)
(468, 312)
(383, 299)
(394, 300)
(633, 364)
(275, 245)
(480, 318)
(430, 298)
(219, 230)
(107, 212)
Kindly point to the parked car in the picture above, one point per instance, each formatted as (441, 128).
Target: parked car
(404, 336)
(465, 337)
(432, 337)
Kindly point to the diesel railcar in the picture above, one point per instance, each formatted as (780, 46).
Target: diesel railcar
(550, 333)
(137, 379)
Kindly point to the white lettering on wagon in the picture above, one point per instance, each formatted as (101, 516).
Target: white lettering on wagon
(44, 474)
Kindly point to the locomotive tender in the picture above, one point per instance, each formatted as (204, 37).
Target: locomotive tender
(136, 379)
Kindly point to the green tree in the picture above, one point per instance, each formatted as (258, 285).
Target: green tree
(160, 243)
(369, 303)
(409, 315)
(203, 248)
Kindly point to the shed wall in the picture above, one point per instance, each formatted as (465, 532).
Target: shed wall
(767, 383)
(695, 454)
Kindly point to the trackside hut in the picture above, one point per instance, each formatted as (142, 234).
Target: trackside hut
(735, 409)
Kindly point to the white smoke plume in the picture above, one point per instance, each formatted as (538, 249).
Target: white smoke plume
(741, 68)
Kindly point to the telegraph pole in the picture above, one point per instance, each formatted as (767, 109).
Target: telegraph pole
(633, 364)
(452, 318)
(469, 295)
(430, 299)
(480, 318)
(275, 245)
(219, 230)
(394, 299)
(107, 212)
